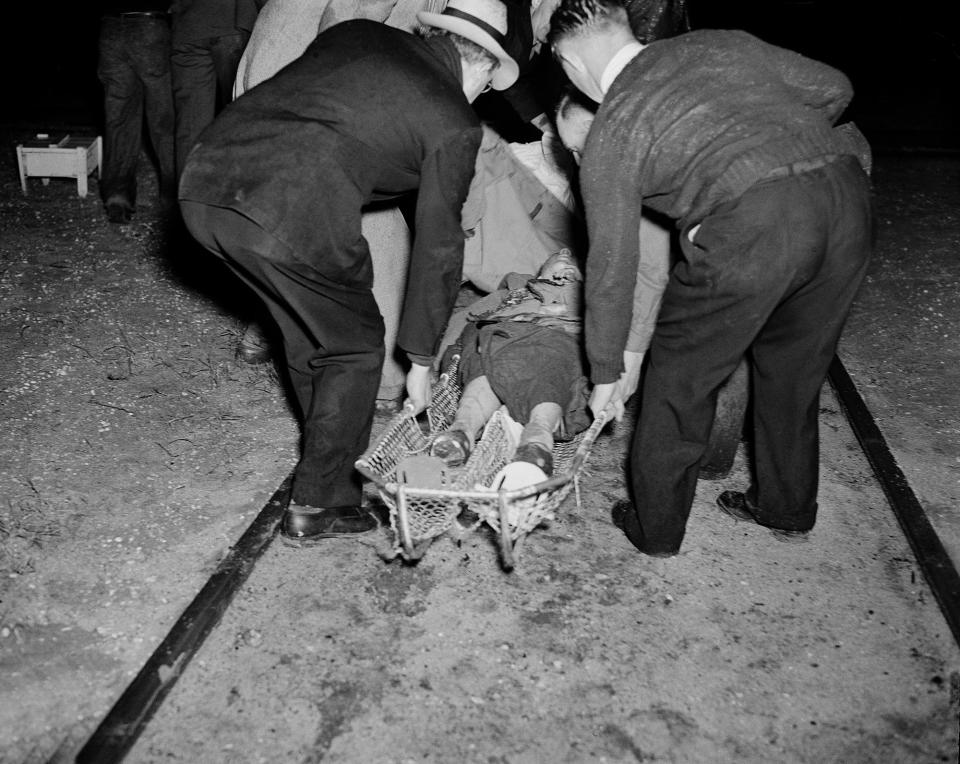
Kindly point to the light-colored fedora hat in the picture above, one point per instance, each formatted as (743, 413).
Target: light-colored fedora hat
(483, 22)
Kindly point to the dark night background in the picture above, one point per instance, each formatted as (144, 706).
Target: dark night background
(904, 62)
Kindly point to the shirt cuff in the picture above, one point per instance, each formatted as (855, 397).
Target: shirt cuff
(420, 360)
(639, 340)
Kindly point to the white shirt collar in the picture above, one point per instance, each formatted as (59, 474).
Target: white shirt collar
(620, 59)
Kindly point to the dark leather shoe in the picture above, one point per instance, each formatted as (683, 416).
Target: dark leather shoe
(734, 503)
(118, 213)
(625, 518)
(305, 524)
(619, 514)
(254, 347)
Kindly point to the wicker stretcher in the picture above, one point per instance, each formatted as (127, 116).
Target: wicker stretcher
(419, 514)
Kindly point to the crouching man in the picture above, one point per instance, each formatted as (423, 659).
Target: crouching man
(732, 138)
(276, 185)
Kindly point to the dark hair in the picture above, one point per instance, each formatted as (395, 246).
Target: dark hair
(571, 99)
(469, 51)
(574, 17)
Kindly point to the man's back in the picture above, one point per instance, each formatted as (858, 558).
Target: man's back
(709, 104)
(366, 102)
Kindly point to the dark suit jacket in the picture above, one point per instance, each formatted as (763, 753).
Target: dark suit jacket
(367, 113)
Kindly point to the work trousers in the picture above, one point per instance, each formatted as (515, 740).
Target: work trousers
(773, 272)
(203, 74)
(333, 342)
(134, 69)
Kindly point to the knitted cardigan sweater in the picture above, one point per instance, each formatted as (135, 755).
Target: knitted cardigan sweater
(691, 122)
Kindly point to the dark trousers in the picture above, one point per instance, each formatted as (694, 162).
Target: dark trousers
(203, 74)
(333, 341)
(774, 273)
(134, 68)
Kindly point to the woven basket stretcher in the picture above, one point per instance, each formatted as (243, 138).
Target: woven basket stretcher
(419, 514)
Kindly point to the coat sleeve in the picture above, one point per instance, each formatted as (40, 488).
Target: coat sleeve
(436, 260)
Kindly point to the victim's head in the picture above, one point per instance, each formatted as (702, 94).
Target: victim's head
(560, 267)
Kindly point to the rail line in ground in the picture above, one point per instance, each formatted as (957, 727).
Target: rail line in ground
(123, 724)
(934, 561)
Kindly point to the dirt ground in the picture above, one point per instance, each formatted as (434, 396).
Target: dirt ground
(137, 450)
(902, 343)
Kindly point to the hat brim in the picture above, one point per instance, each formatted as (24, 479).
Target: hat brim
(508, 71)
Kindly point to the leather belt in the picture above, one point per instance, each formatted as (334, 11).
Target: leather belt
(804, 165)
(139, 15)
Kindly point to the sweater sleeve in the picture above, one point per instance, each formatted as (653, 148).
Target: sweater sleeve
(653, 273)
(816, 84)
(613, 201)
(436, 260)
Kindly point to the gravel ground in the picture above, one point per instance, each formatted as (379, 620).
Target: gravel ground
(137, 450)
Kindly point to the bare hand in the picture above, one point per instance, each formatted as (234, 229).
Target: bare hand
(616, 394)
(418, 389)
(607, 395)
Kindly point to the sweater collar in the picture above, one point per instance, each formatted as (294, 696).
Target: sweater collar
(620, 59)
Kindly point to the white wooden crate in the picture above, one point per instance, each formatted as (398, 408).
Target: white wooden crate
(67, 157)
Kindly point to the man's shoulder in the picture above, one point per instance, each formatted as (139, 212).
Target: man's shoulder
(365, 31)
(705, 37)
(672, 64)
(696, 43)
(395, 53)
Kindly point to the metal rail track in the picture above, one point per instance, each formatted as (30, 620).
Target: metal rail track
(934, 561)
(122, 725)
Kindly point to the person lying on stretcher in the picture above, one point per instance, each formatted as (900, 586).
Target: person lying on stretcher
(524, 352)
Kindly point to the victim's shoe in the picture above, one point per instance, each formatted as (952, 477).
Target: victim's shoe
(452, 447)
(735, 504)
(535, 453)
(304, 524)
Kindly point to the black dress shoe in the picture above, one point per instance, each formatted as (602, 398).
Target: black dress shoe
(734, 503)
(619, 513)
(118, 213)
(254, 347)
(625, 518)
(305, 524)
